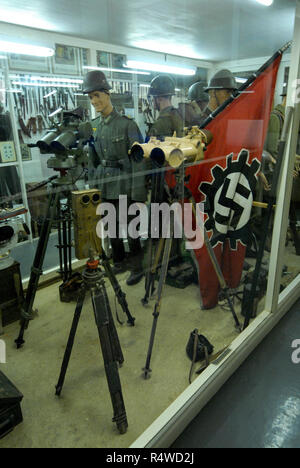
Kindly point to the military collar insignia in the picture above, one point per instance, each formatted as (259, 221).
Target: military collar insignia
(110, 117)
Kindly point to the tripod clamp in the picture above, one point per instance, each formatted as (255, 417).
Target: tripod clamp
(92, 274)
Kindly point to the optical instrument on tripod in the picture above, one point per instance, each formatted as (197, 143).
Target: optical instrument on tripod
(175, 153)
(93, 281)
(85, 219)
(84, 207)
(68, 148)
(66, 141)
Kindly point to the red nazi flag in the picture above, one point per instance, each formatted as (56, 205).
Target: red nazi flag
(225, 181)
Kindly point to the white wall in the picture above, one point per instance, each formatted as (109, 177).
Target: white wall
(50, 38)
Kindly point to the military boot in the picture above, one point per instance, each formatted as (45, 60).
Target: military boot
(119, 267)
(136, 270)
(135, 277)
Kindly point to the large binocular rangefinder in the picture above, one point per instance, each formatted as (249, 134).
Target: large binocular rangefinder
(174, 151)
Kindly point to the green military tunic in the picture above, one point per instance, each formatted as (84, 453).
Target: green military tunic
(274, 130)
(110, 169)
(168, 122)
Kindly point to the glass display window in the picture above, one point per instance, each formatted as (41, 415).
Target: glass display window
(209, 165)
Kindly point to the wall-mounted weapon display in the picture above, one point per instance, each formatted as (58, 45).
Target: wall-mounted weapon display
(38, 97)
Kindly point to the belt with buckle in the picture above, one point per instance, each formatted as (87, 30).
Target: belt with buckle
(112, 164)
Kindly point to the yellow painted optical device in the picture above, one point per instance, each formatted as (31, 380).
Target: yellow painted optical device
(174, 151)
(85, 220)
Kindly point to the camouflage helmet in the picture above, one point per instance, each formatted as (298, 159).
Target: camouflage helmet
(196, 92)
(162, 85)
(95, 81)
(223, 79)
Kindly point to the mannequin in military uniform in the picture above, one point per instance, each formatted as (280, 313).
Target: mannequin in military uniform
(191, 111)
(219, 89)
(198, 97)
(275, 128)
(110, 169)
(162, 88)
(169, 121)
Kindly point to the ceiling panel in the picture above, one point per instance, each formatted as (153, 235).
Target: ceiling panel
(213, 30)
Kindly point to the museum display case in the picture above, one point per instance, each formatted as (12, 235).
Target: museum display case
(232, 288)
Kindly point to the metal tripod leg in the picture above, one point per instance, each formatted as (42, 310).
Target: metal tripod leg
(109, 340)
(156, 197)
(70, 343)
(121, 296)
(149, 282)
(153, 265)
(111, 351)
(217, 269)
(162, 279)
(221, 278)
(36, 269)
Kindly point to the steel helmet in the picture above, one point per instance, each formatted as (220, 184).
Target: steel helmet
(162, 85)
(196, 92)
(223, 79)
(95, 81)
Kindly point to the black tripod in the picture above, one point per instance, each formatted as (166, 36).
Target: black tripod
(60, 188)
(180, 192)
(164, 249)
(93, 281)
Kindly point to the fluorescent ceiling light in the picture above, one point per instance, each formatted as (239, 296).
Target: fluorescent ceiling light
(10, 90)
(49, 79)
(46, 85)
(161, 68)
(265, 2)
(33, 18)
(25, 49)
(119, 70)
(55, 80)
(165, 47)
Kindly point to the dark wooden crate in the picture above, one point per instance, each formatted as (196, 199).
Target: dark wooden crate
(11, 294)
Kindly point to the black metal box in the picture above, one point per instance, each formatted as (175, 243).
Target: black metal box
(10, 406)
(11, 294)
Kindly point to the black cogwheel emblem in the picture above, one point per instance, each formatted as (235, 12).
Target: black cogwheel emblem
(228, 199)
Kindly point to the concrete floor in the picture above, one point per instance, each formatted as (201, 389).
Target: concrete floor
(259, 406)
(82, 416)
